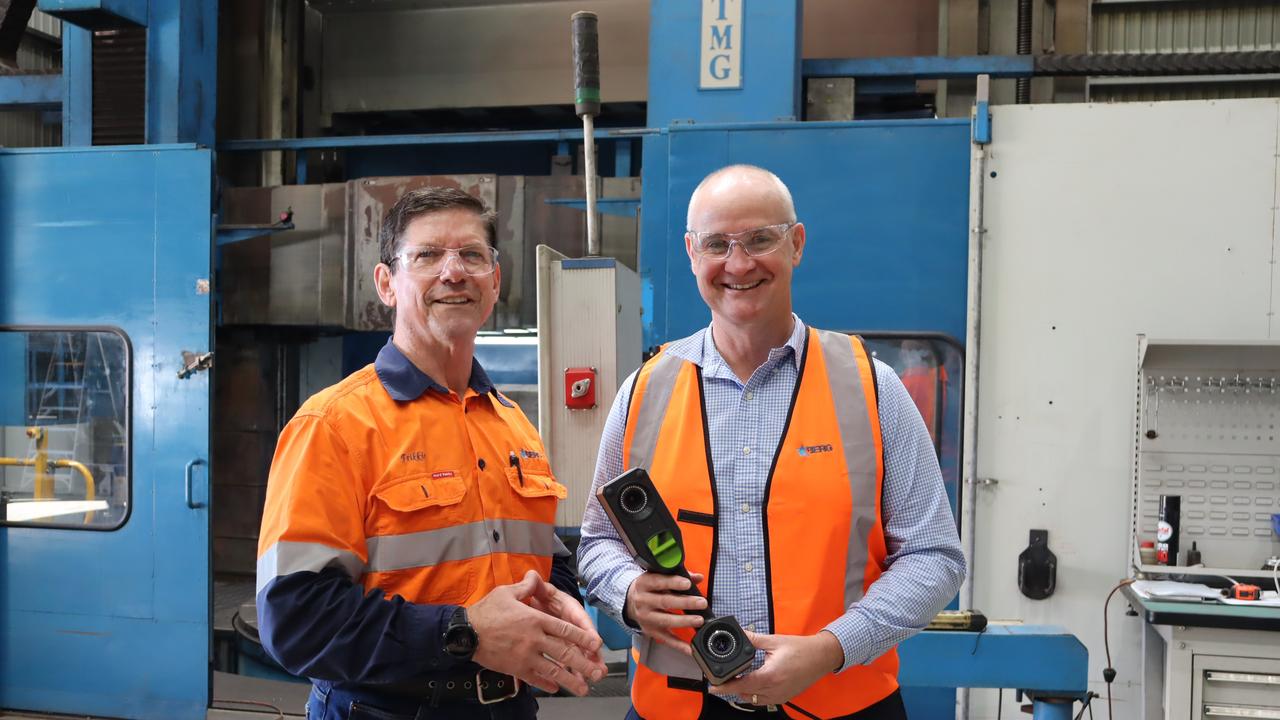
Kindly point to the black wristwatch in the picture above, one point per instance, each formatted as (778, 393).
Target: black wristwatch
(460, 639)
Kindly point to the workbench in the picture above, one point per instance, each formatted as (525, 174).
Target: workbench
(1205, 660)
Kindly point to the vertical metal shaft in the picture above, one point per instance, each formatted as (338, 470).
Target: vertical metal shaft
(589, 152)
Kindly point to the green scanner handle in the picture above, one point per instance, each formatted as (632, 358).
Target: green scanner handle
(666, 550)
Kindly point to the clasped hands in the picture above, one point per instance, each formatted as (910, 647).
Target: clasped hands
(537, 633)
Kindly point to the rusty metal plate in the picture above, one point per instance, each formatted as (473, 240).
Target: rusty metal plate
(296, 277)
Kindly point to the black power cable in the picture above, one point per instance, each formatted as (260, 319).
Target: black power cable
(1109, 672)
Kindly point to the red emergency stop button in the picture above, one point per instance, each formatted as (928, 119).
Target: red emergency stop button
(580, 388)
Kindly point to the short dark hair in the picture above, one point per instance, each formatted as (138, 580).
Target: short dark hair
(425, 201)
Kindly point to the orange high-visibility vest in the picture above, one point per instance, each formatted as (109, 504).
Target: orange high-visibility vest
(824, 537)
(437, 500)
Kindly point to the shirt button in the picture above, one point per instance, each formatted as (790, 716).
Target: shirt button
(746, 507)
(495, 536)
(481, 463)
(746, 451)
(751, 627)
(748, 567)
(749, 396)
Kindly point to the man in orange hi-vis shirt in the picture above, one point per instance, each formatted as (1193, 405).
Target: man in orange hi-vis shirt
(409, 530)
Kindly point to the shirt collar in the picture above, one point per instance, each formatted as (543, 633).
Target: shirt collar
(404, 381)
(700, 349)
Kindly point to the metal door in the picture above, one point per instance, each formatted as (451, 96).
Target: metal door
(104, 283)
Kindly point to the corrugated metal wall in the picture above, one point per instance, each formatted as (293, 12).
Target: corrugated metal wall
(1185, 26)
(26, 128)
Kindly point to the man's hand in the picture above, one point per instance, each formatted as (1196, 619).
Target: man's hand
(554, 602)
(650, 600)
(792, 663)
(544, 651)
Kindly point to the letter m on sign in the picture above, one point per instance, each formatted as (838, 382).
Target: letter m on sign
(721, 52)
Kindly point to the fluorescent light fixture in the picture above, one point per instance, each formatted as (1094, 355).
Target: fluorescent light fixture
(28, 510)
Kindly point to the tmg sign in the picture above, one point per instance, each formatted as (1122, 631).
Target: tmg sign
(721, 44)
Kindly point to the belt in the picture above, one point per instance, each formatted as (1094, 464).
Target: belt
(745, 706)
(484, 687)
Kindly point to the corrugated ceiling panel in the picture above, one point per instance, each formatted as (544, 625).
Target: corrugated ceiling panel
(46, 24)
(1183, 26)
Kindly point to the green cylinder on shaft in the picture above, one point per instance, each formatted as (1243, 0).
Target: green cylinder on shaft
(586, 63)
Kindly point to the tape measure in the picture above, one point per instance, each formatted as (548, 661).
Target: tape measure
(1241, 591)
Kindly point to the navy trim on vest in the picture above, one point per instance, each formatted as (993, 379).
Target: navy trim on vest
(711, 476)
(768, 483)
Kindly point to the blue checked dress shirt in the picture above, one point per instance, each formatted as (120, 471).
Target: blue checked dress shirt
(745, 420)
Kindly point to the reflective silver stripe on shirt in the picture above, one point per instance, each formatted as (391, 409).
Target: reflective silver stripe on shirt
(664, 660)
(286, 558)
(859, 453)
(461, 542)
(653, 409)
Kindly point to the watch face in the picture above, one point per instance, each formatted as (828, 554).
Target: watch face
(463, 640)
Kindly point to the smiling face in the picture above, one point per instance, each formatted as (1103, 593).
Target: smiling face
(744, 291)
(447, 308)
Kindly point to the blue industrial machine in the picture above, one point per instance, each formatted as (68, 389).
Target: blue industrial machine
(114, 620)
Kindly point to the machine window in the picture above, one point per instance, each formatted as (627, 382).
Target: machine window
(931, 368)
(64, 428)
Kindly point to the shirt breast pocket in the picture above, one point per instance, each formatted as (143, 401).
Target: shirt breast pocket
(422, 501)
(532, 478)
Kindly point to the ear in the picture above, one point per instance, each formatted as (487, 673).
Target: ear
(382, 279)
(688, 248)
(797, 242)
(497, 279)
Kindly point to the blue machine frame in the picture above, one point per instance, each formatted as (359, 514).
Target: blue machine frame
(885, 205)
(115, 623)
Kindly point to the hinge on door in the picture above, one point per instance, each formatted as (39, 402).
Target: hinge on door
(193, 363)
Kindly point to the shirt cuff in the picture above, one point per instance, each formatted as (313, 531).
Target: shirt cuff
(855, 639)
(613, 597)
(428, 623)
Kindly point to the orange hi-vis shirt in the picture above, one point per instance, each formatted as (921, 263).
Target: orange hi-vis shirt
(409, 490)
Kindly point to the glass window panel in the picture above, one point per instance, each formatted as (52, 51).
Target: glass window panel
(931, 368)
(64, 428)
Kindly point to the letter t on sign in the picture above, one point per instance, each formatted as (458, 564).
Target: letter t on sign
(721, 54)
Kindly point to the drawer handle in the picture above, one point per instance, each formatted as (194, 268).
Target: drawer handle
(1252, 712)
(1239, 677)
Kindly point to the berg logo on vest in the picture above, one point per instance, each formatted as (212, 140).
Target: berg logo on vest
(806, 450)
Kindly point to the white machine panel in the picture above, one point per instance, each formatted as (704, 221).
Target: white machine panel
(1103, 222)
(588, 317)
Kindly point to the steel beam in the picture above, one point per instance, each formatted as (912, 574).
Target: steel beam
(97, 14)
(367, 141)
(925, 67)
(27, 92)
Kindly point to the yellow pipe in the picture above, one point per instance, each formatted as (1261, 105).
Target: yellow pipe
(90, 491)
(88, 482)
(44, 478)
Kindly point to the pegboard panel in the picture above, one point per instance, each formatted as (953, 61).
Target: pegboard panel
(1207, 417)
